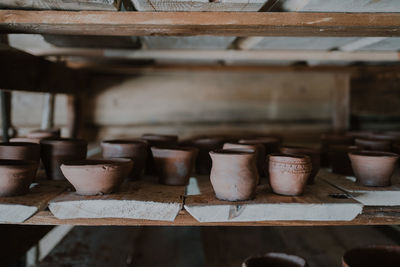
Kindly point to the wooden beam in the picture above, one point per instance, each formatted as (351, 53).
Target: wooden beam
(200, 23)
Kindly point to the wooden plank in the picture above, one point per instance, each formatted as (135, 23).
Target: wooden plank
(341, 103)
(340, 5)
(200, 23)
(111, 5)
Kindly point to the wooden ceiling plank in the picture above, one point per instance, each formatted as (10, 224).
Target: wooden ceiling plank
(111, 5)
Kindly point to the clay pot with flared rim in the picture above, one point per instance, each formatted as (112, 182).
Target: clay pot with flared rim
(96, 176)
(330, 139)
(373, 144)
(16, 176)
(313, 153)
(174, 165)
(20, 151)
(275, 259)
(42, 134)
(288, 173)
(205, 145)
(373, 168)
(136, 150)
(55, 152)
(340, 161)
(372, 256)
(234, 174)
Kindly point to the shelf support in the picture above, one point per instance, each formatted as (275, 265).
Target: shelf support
(341, 103)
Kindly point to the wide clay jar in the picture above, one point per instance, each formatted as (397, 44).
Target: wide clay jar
(20, 151)
(288, 174)
(340, 161)
(205, 145)
(136, 150)
(372, 256)
(174, 165)
(373, 168)
(313, 153)
(275, 259)
(330, 139)
(234, 174)
(373, 144)
(54, 152)
(16, 176)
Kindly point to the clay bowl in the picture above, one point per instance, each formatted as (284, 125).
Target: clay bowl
(136, 150)
(340, 161)
(275, 259)
(96, 177)
(372, 256)
(288, 173)
(373, 168)
(234, 174)
(20, 151)
(174, 165)
(205, 145)
(330, 139)
(16, 176)
(313, 153)
(54, 152)
(41, 134)
(373, 144)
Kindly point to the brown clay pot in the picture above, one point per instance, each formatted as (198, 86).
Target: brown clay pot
(314, 155)
(373, 168)
(42, 134)
(96, 177)
(174, 165)
(288, 174)
(275, 259)
(54, 152)
(373, 144)
(396, 148)
(20, 151)
(136, 150)
(234, 174)
(16, 176)
(330, 139)
(372, 256)
(340, 161)
(205, 145)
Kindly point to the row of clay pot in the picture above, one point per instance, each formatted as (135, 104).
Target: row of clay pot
(369, 256)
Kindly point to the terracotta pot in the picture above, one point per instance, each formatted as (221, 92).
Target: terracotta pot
(372, 256)
(288, 174)
(16, 176)
(20, 151)
(42, 134)
(340, 161)
(174, 165)
(275, 259)
(136, 150)
(314, 155)
(205, 145)
(373, 168)
(396, 148)
(96, 177)
(328, 140)
(234, 174)
(54, 152)
(373, 144)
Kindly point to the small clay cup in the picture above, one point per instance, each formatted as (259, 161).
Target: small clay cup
(174, 165)
(16, 176)
(42, 134)
(205, 145)
(373, 168)
(136, 150)
(275, 259)
(330, 139)
(96, 177)
(54, 152)
(373, 144)
(288, 173)
(372, 256)
(340, 161)
(20, 151)
(234, 174)
(314, 155)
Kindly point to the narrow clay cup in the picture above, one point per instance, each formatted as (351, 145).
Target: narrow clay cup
(373, 144)
(205, 145)
(20, 151)
(174, 165)
(96, 177)
(234, 174)
(275, 259)
(372, 256)
(373, 168)
(330, 139)
(55, 152)
(288, 173)
(340, 161)
(16, 176)
(136, 150)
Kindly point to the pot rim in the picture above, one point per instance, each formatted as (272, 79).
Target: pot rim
(373, 154)
(123, 142)
(175, 148)
(232, 151)
(366, 249)
(260, 140)
(241, 146)
(63, 141)
(276, 156)
(291, 258)
(19, 144)
(372, 140)
(159, 137)
(207, 140)
(95, 163)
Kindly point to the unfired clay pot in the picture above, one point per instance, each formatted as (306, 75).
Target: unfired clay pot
(136, 150)
(288, 174)
(340, 161)
(373, 144)
(174, 165)
(372, 256)
(234, 174)
(20, 151)
(16, 176)
(373, 168)
(205, 145)
(42, 134)
(330, 139)
(96, 177)
(54, 152)
(275, 259)
(313, 153)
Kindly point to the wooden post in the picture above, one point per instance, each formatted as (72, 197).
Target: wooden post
(48, 111)
(5, 113)
(73, 114)
(341, 103)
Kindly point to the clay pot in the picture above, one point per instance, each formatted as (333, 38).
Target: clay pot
(271, 144)
(20, 151)
(372, 256)
(234, 174)
(16, 176)
(389, 136)
(328, 140)
(205, 145)
(373, 168)
(275, 259)
(24, 140)
(54, 152)
(174, 165)
(136, 150)
(288, 174)
(373, 144)
(96, 177)
(396, 148)
(340, 161)
(314, 155)
(42, 134)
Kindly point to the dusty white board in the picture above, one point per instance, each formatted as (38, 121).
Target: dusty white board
(112, 5)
